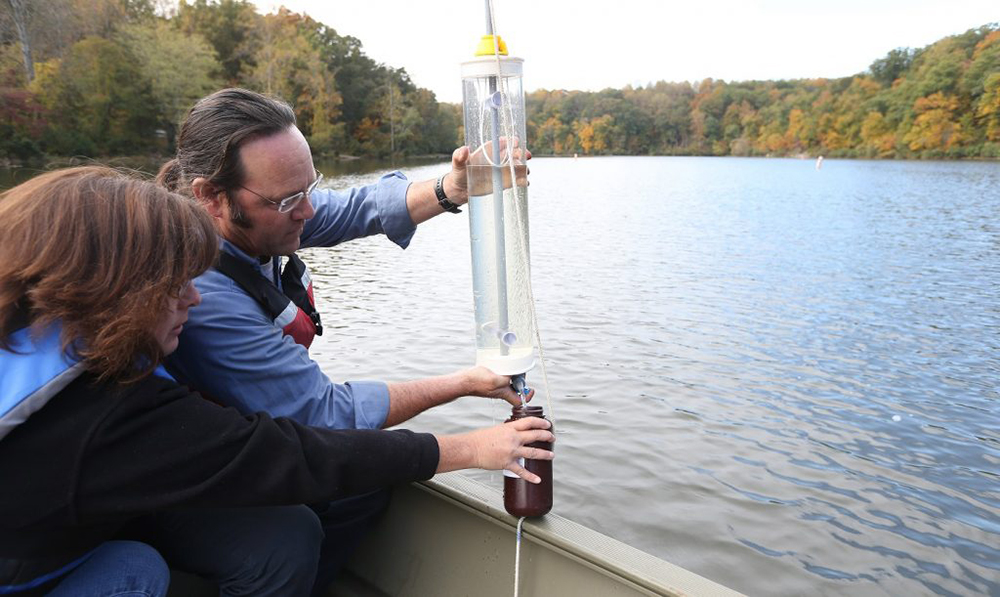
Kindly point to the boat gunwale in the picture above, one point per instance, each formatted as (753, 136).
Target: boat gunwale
(608, 556)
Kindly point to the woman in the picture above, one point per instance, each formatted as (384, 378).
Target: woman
(95, 271)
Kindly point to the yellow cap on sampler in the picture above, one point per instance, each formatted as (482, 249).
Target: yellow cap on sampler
(486, 48)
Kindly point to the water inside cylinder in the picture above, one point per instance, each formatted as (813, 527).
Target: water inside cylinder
(494, 289)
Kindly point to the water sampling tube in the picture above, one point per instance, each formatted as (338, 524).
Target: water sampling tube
(494, 103)
(506, 335)
(493, 99)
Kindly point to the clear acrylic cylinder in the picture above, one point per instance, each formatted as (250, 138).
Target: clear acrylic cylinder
(493, 99)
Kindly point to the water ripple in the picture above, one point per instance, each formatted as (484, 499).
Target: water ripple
(782, 379)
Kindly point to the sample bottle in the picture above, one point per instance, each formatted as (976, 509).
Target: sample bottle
(521, 498)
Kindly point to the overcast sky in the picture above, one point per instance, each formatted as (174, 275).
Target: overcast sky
(591, 45)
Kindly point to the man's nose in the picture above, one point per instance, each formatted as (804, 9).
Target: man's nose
(304, 210)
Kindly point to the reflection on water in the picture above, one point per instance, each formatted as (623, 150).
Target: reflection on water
(781, 378)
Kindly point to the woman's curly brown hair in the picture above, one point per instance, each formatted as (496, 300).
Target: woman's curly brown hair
(99, 252)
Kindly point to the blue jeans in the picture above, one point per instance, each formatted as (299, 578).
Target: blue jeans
(245, 551)
(345, 523)
(117, 568)
(272, 551)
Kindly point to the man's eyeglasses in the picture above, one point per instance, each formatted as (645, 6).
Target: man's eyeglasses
(288, 203)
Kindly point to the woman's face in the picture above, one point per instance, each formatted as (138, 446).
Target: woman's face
(172, 320)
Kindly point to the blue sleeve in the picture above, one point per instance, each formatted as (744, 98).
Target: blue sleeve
(363, 211)
(233, 354)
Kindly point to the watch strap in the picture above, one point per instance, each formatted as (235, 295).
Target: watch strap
(442, 198)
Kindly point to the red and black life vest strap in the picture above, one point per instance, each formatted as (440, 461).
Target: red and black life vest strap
(291, 282)
(266, 294)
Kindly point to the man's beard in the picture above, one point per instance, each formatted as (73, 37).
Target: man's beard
(237, 216)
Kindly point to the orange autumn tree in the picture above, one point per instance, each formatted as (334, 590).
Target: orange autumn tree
(989, 107)
(878, 137)
(936, 125)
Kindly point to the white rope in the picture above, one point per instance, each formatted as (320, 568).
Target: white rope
(504, 89)
(517, 557)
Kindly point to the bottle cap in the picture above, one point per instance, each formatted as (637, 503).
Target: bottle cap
(485, 47)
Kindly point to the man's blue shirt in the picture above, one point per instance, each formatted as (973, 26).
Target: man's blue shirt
(233, 353)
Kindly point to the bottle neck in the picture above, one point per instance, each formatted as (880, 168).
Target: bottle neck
(519, 412)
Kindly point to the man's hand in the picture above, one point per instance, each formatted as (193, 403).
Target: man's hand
(409, 398)
(480, 381)
(421, 198)
(456, 183)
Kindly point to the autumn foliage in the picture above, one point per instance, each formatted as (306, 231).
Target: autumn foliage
(112, 77)
(942, 101)
(116, 76)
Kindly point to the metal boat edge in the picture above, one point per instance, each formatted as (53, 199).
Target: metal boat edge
(451, 536)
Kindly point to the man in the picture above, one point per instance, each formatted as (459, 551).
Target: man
(260, 188)
(240, 154)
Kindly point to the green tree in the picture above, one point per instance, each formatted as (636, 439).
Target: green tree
(888, 69)
(230, 26)
(290, 66)
(179, 68)
(988, 108)
(100, 101)
(878, 137)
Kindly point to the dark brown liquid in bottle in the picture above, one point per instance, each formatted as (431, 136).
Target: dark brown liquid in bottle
(521, 498)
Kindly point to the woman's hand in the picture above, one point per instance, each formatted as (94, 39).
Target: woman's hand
(497, 448)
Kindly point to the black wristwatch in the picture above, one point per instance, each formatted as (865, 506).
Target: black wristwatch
(442, 198)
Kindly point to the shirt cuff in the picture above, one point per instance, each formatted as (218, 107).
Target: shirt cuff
(390, 201)
(371, 403)
(430, 455)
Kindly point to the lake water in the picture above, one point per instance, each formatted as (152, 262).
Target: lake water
(784, 379)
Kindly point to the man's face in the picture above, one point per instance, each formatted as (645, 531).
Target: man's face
(275, 167)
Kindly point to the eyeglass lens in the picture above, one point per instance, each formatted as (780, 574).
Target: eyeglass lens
(288, 203)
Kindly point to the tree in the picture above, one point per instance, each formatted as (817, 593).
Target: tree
(935, 127)
(22, 120)
(585, 133)
(230, 26)
(100, 101)
(436, 125)
(988, 107)
(888, 69)
(110, 73)
(290, 66)
(985, 61)
(549, 135)
(19, 10)
(877, 136)
(158, 49)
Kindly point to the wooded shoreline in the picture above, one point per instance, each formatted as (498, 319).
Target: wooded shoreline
(115, 77)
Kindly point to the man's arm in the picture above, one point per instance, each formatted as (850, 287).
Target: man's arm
(362, 211)
(233, 354)
(421, 198)
(409, 399)
(393, 206)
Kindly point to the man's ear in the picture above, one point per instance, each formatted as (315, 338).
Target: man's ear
(209, 195)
